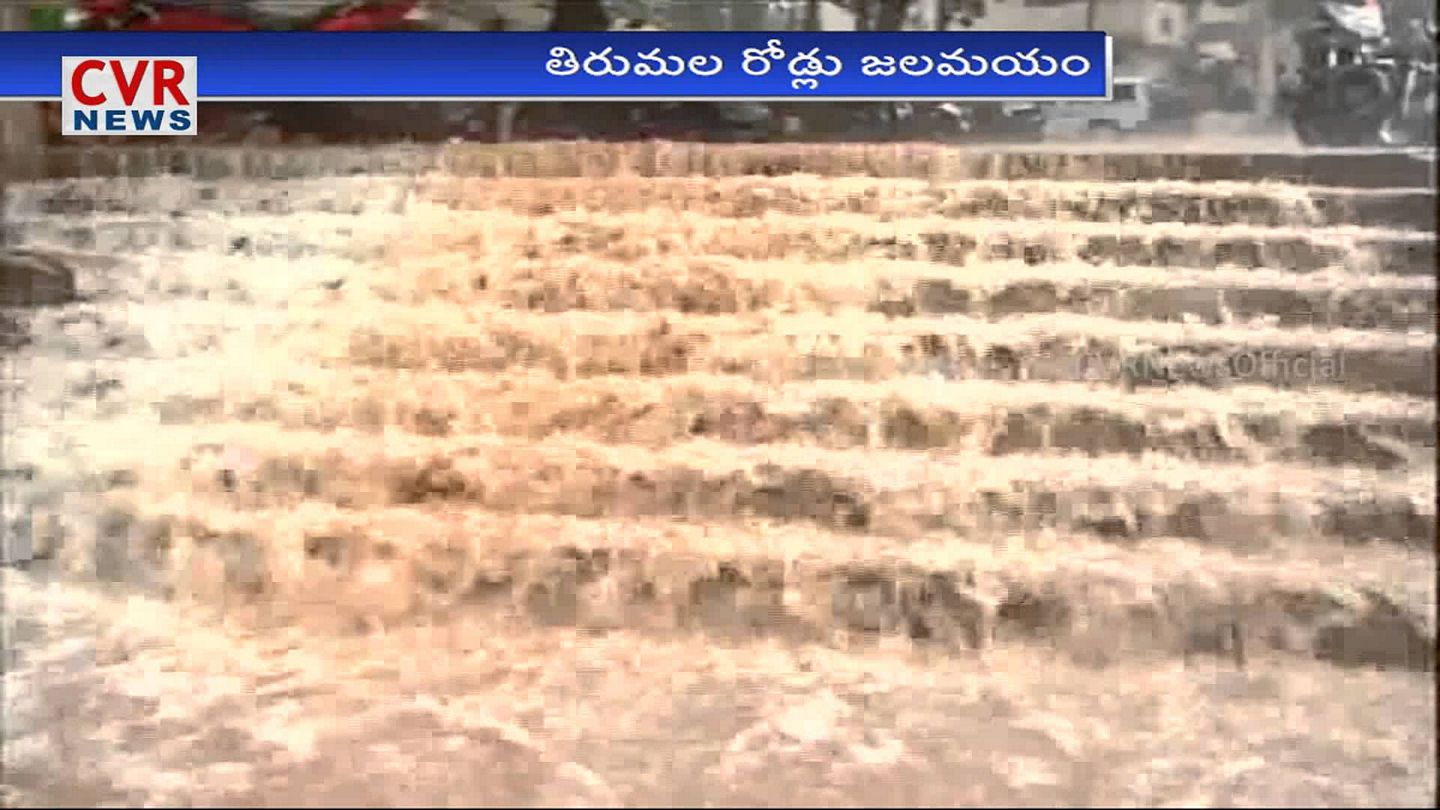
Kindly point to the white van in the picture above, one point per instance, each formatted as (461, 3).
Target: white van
(1128, 110)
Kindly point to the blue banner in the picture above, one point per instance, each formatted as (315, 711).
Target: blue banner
(620, 65)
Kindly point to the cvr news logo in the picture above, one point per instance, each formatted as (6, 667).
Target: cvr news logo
(128, 95)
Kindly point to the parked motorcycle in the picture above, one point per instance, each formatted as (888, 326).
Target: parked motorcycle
(1365, 94)
(232, 119)
(237, 15)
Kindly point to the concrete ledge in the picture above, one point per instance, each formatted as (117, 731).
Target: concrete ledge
(1362, 169)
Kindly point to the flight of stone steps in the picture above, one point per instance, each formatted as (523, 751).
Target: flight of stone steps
(1108, 406)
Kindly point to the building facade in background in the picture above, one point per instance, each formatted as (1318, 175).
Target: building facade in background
(19, 121)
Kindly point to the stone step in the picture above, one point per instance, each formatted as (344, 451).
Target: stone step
(993, 290)
(1254, 425)
(1249, 423)
(496, 235)
(781, 238)
(166, 196)
(1081, 599)
(1124, 498)
(869, 346)
(1255, 204)
(1359, 306)
(1348, 168)
(297, 237)
(1262, 204)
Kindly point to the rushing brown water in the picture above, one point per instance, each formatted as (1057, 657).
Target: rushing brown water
(919, 478)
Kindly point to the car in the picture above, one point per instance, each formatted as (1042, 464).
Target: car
(1128, 110)
(1019, 121)
(707, 121)
(671, 121)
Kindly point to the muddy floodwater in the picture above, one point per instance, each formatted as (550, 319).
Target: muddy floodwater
(650, 474)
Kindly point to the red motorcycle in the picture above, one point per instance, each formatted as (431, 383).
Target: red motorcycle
(124, 15)
(139, 15)
(236, 16)
(409, 15)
